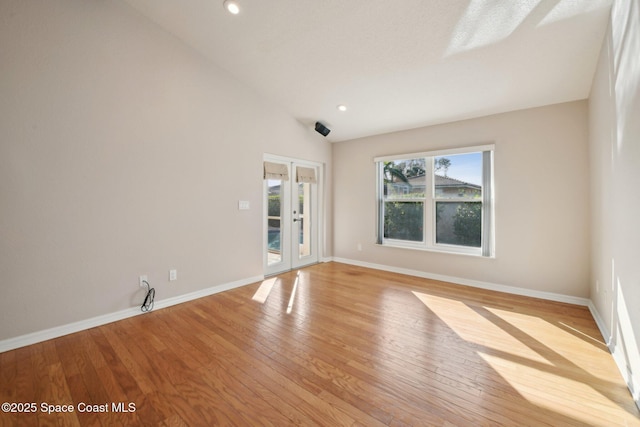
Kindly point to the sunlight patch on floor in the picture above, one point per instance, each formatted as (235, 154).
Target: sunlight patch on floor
(293, 294)
(597, 341)
(264, 290)
(561, 394)
(481, 331)
(528, 353)
(557, 342)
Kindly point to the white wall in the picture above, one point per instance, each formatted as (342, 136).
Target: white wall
(123, 152)
(541, 209)
(614, 140)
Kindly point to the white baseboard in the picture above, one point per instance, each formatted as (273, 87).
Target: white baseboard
(58, 331)
(633, 382)
(606, 334)
(469, 282)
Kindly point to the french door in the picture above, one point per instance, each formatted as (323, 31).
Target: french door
(291, 198)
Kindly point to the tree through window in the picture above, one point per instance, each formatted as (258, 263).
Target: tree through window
(440, 200)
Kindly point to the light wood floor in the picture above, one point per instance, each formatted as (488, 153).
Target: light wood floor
(352, 346)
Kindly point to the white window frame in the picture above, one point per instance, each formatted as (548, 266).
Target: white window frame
(487, 248)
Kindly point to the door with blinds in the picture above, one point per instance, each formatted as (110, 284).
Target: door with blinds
(291, 197)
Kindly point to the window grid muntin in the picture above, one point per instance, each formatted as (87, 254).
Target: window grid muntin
(430, 222)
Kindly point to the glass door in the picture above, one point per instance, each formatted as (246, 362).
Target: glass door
(291, 214)
(277, 257)
(305, 224)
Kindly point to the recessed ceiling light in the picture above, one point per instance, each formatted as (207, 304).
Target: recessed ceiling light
(342, 107)
(232, 6)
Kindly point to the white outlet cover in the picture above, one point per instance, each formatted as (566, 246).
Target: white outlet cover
(173, 274)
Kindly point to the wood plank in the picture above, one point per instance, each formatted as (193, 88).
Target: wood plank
(359, 347)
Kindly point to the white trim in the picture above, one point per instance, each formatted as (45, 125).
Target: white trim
(434, 153)
(600, 323)
(318, 226)
(59, 331)
(441, 248)
(551, 296)
(430, 203)
(632, 381)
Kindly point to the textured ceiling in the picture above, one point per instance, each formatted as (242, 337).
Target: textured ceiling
(396, 64)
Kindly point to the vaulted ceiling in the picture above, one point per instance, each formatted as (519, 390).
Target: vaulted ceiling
(396, 64)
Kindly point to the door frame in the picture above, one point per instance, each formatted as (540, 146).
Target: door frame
(317, 241)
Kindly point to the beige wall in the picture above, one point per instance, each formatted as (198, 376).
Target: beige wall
(541, 207)
(614, 137)
(123, 152)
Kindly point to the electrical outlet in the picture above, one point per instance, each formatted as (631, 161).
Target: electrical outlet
(359, 246)
(173, 275)
(141, 281)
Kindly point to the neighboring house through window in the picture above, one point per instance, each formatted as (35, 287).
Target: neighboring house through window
(439, 200)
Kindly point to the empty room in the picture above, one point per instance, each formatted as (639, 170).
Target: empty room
(319, 212)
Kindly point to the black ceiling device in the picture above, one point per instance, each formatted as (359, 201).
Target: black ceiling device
(322, 129)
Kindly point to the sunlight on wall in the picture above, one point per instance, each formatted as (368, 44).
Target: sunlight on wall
(625, 326)
(625, 340)
(626, 70)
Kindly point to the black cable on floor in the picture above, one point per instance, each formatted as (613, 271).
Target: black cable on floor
(147, 305)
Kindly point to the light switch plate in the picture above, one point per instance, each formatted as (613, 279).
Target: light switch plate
(243, 205)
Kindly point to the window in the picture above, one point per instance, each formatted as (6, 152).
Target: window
(439, 200)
